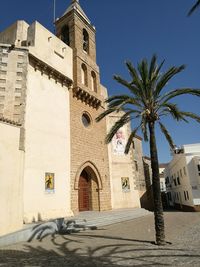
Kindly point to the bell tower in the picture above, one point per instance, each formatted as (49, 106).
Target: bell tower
(89, 154)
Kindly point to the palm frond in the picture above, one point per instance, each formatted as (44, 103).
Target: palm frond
(130, 140)
(134, 75)
(104, 114)
(173, 110)
(152, 67)
(166, 77)
(191, 115)
(178, 92)
(143, 70)
(127, 84)
(167, 135)
(194, 7)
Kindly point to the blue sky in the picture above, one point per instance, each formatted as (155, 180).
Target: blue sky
(132, 30)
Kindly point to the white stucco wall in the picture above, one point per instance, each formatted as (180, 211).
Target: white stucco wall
(190, 180)
(47, 146)
(48, 48)
(121, 165)
(15, 34)
(11, 173)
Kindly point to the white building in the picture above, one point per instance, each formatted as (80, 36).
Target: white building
(182, 177)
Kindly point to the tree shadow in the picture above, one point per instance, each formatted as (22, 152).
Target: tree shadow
(58, 226)
(91, 251)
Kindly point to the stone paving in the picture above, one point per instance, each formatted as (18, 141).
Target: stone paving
(123, 244)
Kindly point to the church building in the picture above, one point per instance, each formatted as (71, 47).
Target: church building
(54, 160)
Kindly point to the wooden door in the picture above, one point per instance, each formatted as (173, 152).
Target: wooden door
(84, 192)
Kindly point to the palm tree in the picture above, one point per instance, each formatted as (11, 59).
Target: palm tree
(147, 105)
(194, 7)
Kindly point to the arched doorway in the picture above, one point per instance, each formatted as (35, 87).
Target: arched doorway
(88, 191)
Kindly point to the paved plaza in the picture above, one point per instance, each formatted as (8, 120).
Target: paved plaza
(126, 243)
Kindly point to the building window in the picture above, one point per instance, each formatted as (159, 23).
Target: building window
(133, 143)
(186, 195)
(2, 80)
(19, 74)
(86, 120)
(85, 41)
(178, 181)
(3, 64)
(175, 182)
(65, 35)
(94, 81)
(4, 72)
(136, 165)
(19, 65)
(20, 56)
(84, 74)
(198, 167)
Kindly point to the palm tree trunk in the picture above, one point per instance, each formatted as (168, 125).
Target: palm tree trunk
(158, 208)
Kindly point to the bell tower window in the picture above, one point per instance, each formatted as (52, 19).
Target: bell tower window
(94, 81)
(65, 35)
(85, 41)
(84, 74)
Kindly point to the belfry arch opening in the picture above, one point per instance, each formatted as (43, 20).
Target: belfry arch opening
(85, 41)
(65, 35)
(88, 191)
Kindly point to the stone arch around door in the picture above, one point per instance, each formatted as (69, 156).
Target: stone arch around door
(88, 183)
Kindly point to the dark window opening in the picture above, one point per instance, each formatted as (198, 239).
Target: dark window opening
(65, 35)
(85, 41)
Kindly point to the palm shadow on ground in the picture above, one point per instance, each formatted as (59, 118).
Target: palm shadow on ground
(93, 251)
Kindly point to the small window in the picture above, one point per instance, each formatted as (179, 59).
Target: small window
(3, 64)
(94, 81)
(65, 35)
(19, 74)
(4, 72)
(84, 74)
(133, 143)
(198, 167)
(85, 41)
(136, 165)
(175, 182)
(19, 65)
(178, 180)
(86, 120)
